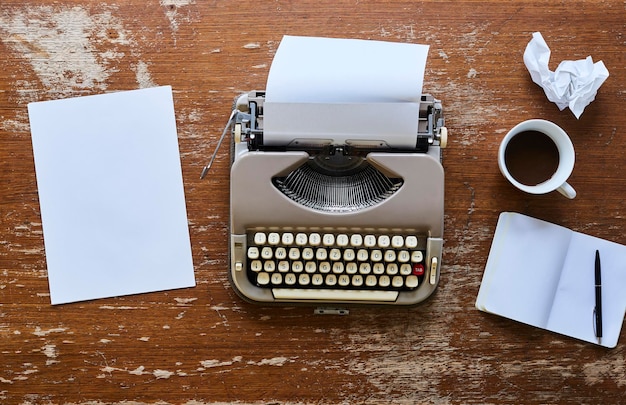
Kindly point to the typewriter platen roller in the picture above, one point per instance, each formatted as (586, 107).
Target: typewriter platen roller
(321, 221)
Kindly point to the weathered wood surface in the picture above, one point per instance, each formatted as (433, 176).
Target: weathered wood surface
(204, 345)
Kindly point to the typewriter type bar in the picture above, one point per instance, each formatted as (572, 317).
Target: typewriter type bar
(324, 223)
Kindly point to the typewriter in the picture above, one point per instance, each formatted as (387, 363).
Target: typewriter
(322, 221)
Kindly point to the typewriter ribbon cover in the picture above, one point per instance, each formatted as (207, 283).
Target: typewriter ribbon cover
(337, 185)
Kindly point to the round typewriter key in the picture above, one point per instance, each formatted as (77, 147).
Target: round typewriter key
(325, 267)
(384, 281)
(397, 281)
(376, 255)
(307, 254)
(294, 253)
(253, 252)
(256, 265)
(411, 242)
(263, 278)
(411, 281)
(328, 239)
(260, 238)
(362, 255)
(317, 279)
(338, 267)
(321, 254)
(273, 238)
(287, 238)
(280, 253)
(384, 241)
(301, 239)
(348, 255)
(357, 280)
(315, 239)
(390, 255)
(304, 279)
(335, 254)
(397, 241)
(369, 240)
(356, 240)
(277, 278)
(310, 267)
(297, 267)
(266, 253)
(417, 256)
(392, 269)
(404, 256)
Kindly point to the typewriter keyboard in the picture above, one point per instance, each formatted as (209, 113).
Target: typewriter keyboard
(335, 261)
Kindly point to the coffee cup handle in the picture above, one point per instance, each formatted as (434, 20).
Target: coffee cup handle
(567, 190)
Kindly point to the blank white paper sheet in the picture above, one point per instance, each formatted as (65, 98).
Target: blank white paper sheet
(344, 90)
(111, 195)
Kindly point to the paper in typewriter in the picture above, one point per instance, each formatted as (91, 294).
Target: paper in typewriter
(344, 89)
(542, 274)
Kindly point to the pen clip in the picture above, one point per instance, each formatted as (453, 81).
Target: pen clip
(594, 318)
(593, 321)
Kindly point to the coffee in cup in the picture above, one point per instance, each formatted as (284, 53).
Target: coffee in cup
(537, 157)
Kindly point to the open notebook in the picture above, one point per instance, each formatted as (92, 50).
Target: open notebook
(542, 274)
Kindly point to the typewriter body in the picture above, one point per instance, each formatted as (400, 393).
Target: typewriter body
(324, 222)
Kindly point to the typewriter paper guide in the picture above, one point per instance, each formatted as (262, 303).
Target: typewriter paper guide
(344, 89)
(111, 195)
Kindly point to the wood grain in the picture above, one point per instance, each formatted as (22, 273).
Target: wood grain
(205, 345)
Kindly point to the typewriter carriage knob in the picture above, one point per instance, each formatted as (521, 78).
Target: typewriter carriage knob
(442, 135)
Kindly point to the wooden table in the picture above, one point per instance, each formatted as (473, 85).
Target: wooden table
(204, 344)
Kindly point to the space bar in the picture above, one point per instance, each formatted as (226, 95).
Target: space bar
(334, 295)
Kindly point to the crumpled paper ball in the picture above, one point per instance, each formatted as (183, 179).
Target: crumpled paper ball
(573, 84)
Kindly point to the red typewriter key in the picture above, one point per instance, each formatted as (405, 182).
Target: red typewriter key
(418, 269)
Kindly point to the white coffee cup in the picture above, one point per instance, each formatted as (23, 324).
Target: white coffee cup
(566, 157)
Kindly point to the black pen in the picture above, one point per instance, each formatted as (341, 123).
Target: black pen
(598, 310)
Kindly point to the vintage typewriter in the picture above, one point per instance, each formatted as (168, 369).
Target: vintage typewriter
(323, 222)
